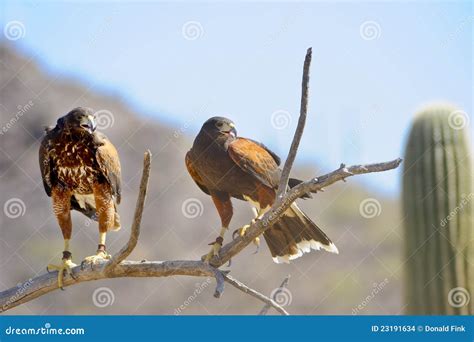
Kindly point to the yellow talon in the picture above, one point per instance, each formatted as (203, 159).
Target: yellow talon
(216, 247)
(97, 258)
(242, 231)
(65, 268)
(256, 242)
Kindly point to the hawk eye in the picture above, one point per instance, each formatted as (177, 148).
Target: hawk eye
(219, 125)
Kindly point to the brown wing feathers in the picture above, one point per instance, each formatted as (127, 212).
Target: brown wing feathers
(255, 159)
(194, 175)
(109, 164)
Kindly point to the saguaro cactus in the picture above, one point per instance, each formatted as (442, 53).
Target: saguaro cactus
(438, 214)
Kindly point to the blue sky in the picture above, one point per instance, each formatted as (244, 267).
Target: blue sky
(246, 63)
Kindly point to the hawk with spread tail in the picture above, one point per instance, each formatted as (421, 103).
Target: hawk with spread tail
(225, 166)
(81, 170)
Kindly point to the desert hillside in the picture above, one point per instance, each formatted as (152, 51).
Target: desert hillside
(321, 283)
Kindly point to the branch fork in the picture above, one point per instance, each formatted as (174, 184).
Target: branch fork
(117, 266)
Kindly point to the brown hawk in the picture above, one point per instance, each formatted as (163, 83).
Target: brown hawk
(225, 166)
(81, 171)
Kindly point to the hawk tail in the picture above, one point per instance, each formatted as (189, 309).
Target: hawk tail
(295, 234)
(86, 205)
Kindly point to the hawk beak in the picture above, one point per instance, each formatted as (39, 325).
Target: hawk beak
(89, 123)
(232, 131)
(92, 123)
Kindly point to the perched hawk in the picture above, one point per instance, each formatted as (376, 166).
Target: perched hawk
(81, 170)
(225, 166)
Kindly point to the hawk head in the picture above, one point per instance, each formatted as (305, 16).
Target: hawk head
(78, 119)
(219, 127)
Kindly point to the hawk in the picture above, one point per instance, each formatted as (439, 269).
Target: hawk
(226, 166)
(81, 170)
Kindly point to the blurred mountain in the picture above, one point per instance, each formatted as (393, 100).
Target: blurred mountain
(365, 278)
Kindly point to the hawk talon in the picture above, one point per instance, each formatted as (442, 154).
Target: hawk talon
(63, 270)
(96, 259)
(257, 250)
(216, 247)
(242, 231)
(83, 263)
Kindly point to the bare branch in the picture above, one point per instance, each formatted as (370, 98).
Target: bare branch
(220, 278)
(47, 282)
(118, 267)
(244, 288)
(277, 210)
(137, 218)
(283, 285)
(285, 175)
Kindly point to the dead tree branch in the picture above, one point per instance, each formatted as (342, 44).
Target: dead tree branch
(276, 211)
(137, 218)
(285, 174)
(284, 285)
(119, 267)
(245, 289)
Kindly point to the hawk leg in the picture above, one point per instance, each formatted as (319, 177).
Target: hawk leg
(61, 206)
(66, 266)
(100, 256)
(216, 245)
(241, 231)
(105, 211)
(224, 208)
